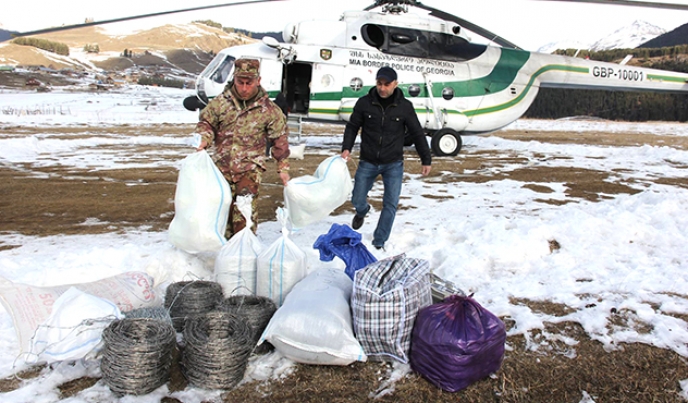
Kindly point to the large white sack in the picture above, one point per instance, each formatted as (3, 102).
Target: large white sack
(201, 205)
(280, 266)
(74, 328)
(30, 306)
(237, 263)
(314, 326)
(311, 198)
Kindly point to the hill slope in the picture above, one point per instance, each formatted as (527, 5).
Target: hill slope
(190, 45)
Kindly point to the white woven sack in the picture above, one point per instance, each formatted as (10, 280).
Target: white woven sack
(74, 328)
(201, 206)
(314, 324)
(31, 306)
(237, 261)
(311, 198)
(280, 266)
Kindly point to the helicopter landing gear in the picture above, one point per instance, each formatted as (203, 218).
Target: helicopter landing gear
(445, 142)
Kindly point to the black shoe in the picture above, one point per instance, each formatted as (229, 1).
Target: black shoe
(378, 247)
(357, 222)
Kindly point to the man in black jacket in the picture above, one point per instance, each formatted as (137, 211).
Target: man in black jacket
(385, 116)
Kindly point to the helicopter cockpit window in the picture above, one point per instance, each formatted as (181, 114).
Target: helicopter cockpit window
(419, 43)
(222, 72)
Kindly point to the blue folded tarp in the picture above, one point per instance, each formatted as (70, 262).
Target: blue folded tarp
(345, 243)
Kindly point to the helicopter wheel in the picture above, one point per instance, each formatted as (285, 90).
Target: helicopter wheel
(445, 142)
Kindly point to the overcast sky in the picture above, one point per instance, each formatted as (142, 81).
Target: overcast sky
(528, 23)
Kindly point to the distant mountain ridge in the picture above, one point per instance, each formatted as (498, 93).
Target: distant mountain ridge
(678, 36)
(6, 35)
(628, 37)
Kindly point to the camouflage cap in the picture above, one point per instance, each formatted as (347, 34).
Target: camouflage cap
(247, 68)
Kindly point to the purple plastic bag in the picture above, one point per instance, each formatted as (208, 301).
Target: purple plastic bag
(457, 342)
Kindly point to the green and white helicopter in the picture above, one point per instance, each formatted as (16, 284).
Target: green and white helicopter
(457, 87)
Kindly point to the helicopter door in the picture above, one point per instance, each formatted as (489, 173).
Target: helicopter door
(298, 80)
(271, 76)
(326, 91)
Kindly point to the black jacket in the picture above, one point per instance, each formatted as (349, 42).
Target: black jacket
(382, 137)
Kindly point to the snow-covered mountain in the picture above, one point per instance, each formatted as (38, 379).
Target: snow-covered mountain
(565, 44)
(627, 37)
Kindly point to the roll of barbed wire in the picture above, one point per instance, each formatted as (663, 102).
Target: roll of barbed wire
(184, 299)
(137, 355)
(155, 312)
(257, 311)
(217, 348)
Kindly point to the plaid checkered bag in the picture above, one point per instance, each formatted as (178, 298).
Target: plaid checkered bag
(386, 299)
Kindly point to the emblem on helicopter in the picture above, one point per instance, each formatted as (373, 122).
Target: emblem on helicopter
(325, 54)
(356, 84)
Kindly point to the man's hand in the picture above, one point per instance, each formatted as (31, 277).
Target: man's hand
(425, 170)
(345, 155)
(284, 175)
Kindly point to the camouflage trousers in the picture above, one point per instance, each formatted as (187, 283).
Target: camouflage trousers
(247, 184)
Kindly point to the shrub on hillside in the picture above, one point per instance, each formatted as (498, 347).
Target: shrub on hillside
(50, 46)
(210, 23)
(89, 48)
(161, 82)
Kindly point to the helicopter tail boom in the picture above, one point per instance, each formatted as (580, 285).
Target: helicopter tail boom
(574, 73)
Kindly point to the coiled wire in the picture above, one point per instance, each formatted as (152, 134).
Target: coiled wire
(185, 299)
(256, 311)
(153, 312)
(217, 348)
(137, 355)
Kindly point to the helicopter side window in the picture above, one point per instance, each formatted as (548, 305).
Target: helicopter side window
(407, 42)
(222, 73)
(373, 35)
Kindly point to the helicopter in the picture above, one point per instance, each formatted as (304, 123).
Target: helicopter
(457, 86)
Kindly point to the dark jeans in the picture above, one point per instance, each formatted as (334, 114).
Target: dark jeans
(392, 175)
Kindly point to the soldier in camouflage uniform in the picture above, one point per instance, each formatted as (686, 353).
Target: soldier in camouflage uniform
(239, 123)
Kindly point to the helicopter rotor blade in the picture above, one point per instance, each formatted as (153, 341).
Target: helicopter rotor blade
(134, 17)
(468, 25)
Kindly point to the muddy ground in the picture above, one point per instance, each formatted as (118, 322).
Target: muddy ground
(43, 201)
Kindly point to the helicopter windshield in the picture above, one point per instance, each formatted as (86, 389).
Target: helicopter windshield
(222, 71)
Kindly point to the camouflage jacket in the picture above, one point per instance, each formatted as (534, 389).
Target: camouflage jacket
(240, 130)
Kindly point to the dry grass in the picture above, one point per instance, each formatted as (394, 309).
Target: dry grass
(541, 367)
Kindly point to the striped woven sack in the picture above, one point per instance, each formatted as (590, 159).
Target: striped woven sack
(385, 302)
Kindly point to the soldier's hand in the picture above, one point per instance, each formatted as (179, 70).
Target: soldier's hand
(202, 146)
(345, 155)
(425, 170)
(285, 177)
